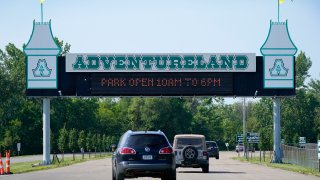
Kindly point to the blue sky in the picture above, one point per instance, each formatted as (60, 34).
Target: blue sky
(165, 26)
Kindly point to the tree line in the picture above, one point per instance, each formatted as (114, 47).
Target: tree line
(96, 123)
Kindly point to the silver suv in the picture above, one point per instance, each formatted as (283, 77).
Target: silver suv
(191, 151)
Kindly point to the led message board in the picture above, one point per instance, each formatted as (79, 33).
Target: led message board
(128, 84)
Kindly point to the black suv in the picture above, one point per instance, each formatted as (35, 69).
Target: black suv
(143, 154)
(213, 150)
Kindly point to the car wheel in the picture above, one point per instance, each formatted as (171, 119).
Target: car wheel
(171, 176)
(205, 168)
(118, 175)
(113, 174)
(190, 153)
(217, 157)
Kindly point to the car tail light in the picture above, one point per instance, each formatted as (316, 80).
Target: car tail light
(205, 153)
(166, 150)
(126, 150)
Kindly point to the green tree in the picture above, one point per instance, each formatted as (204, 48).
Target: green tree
(107, 117)
(12, 135)
(167, 114)
(62, 140)
(263, 111)
(99, 143)
(104, 142)
(65, 47)
(317, 121)
(314, 85)
(89, 143)
(109, 142)
(303, 64)
(231, 121)
(12, 88)
(82, 141)
(298, 116)
(53, 142)
(8, 139)
(134, 113)
(72, 143)
(94, 144)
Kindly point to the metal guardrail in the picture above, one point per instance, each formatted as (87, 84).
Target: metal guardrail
(306, 157)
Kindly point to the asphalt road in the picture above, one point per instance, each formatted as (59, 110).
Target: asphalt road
(225, 168)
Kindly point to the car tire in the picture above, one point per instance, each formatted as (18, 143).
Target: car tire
(217, 157)
(171, 176)
(113, 175)
(205, 168)
(118, 176)
(190, 153)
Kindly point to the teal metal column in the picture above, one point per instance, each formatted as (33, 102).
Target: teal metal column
(276, 131)
(46, 131)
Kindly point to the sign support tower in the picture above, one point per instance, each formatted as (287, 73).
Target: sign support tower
(279, 71)
(42, 52)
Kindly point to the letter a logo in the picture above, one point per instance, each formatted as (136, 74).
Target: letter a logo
(42, 69)
(278, 68)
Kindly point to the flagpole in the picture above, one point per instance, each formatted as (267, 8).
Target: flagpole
(278, 10)
(41, 12)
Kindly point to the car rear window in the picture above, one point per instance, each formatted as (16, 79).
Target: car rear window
(211, 144)
(147, 140)
(181, 142)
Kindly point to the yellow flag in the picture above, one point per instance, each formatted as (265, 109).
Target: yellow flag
(281, 1)
(42, 1)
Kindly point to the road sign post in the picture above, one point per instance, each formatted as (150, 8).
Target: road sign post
(302, 142)
(18, 148)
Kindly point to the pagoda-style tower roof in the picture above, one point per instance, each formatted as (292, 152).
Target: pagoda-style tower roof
(278, 41)
(42, 41)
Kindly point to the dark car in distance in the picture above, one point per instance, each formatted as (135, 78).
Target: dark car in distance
(143, 154)
(213, 149)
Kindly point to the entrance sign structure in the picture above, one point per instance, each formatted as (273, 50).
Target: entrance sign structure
(159, 83)
(278, 53)
(214, 74)
(42, 68)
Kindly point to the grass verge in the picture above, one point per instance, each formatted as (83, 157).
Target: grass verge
(24, 167)
(284, 166)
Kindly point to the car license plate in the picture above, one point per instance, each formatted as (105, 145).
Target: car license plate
(147, 157)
